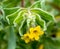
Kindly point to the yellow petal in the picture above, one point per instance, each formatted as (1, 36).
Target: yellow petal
(38, 28)
(31, 30)
(58, 34)
(41, 46)
(36, 37)
(27, 40)
(41, 33)
(26, 37)
(31, 36)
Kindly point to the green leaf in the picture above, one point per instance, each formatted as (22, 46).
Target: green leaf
(51, 28)
(41, 22)
(22, 28)
(19, 18)
(10, 18)
(44, 15)
(9, 11)
(36, 5)
(11, 38)
(9, 3)
(42, 4)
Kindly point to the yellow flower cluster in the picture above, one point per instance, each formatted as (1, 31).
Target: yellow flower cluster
(33, 34)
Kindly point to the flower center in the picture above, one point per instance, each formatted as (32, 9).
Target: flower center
(27, 36)
(35, 31)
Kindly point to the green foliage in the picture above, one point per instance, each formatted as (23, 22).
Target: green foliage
(16, 20)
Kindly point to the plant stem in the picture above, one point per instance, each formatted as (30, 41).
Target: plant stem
(22, 3)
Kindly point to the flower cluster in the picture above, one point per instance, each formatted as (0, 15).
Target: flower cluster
(33, 34)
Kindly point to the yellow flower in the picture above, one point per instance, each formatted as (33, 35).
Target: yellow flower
(26, 38)
(31, 37)
(41, 46)
(36, 32)
(58, 34)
